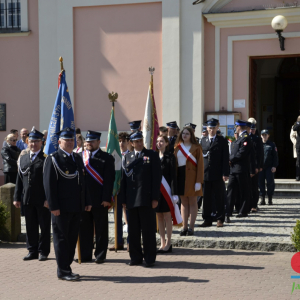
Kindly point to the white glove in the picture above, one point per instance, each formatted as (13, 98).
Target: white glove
(197, 186)
(175, 199)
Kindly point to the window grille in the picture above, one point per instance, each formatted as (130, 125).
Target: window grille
(10, 15)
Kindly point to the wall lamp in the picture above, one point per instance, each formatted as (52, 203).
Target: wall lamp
(279, 23)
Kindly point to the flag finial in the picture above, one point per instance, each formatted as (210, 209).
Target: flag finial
(151, 70)
(61, 64)
(113, 97)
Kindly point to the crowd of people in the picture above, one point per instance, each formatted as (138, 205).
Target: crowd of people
(73, 187)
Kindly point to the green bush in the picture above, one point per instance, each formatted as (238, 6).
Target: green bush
(4, 215)
(296, 236)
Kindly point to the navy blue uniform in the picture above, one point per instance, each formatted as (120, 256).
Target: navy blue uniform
(29, 186)
(296, 127)
(270, 161)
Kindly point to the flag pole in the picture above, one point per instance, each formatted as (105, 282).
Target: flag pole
(113, 98)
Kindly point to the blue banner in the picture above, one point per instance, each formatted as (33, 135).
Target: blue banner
(62, 116)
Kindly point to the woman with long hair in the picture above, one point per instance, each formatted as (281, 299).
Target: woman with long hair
(163, 212)
(190, 176)
(80, 143)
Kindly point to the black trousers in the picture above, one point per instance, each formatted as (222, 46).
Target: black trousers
(254, 191)
(142, 219)
(213, 200)
(266, 174)
(36, 217)
(238, 183)
(298, 162)
(100, 217)
(65, 234)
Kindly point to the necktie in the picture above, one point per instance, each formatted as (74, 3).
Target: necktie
(137, 155)
(211, 140)
(32, 156)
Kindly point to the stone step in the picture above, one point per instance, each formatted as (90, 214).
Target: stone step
(295, 193)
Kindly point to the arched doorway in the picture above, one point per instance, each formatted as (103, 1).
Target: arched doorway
(275, 103)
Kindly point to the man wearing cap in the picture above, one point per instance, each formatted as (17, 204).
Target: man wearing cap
(239, 161)
(216, 172)
(258, 151)
(140, 189)
(30, 184)
(193, 126)
(135, 125)
(172, 135)
(269, 168)
(64, 183)
(100, 177)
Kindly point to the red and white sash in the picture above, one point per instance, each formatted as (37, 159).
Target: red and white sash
(189, 156)
(174, 209)
(91, 170)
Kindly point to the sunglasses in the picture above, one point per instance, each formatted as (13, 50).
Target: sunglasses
(13, 140)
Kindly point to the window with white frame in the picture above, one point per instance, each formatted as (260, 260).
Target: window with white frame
(10, 15)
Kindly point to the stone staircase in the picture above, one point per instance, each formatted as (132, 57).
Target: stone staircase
(287, 188)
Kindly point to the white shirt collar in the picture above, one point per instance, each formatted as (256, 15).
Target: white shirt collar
(212, 137)
(94, 152)
(35, 154)
(135, 152)
(66, 152)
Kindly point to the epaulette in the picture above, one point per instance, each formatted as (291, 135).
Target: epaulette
(45, 155)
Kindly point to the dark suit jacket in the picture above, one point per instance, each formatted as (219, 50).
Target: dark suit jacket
(172, 141)
(68, 195)
(216, 158)
(104, 165)
(168, 168)
(241, 151)
(143, 185)
(31, 184)
(296, 127)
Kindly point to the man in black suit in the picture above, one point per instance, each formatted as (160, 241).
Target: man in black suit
(140, 189)
(239, 161)
(64, 183)
(216, 171)
(100, 188)
(30, 185)
(172, 135)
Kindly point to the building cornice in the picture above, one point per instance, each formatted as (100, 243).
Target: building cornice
(252, 18)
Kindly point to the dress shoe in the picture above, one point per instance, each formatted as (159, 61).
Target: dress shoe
(263, 201)
(69, 278)
(270, 201)
(75, 275)
(183, 232)
(135, 263)
(150, 265)
(219, 223)
(227, 219)
(190, 232)
(241, 216)
(120, 247)
(160, 251)
(99, 261)
(31, 256)
(169, 250)
(43, 257)
(83, 261)
(205, 224)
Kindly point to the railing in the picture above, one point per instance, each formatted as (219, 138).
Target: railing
(10, 15)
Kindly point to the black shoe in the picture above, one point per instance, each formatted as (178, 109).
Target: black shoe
(135, 263)
(31, 256)
(227, 219)
(69, 278)
(241, 216)
(160, 251)
(75, 275)
(169, 250)
(263, 201)
(270, 201)
(190, 232)
(150, 265)
(82, 261)
(43, 257)
(183, 232)
(297, 178)
(205, 224)
(99, 261)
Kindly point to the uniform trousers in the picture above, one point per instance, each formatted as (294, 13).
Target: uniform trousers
(99, 217)
(36, 217)
(254, 191)
(213, 200)
(142, 219)
(119, 223)
(266, 174)
(65, 234)
(298, 162)
(238, 183)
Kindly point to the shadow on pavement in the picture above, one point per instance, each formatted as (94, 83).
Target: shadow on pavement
(9, 245)
(131, 279)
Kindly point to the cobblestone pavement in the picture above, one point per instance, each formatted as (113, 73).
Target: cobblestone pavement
(268, 230)
(183, 274)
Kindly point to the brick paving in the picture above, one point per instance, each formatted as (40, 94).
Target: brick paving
(183, 274)
(268, 230)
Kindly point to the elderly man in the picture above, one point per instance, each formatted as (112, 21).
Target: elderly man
(21, 144)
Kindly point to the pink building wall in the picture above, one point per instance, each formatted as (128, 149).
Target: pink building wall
(114, 54)
(19, 77)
